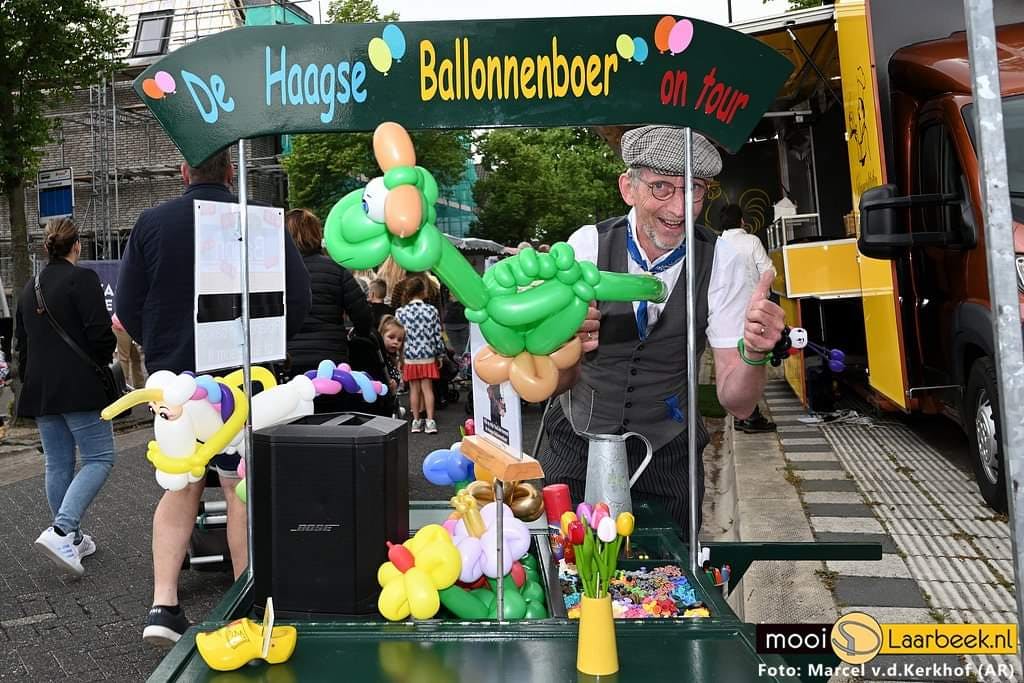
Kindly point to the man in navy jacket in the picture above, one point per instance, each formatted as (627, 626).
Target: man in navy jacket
(154, 301)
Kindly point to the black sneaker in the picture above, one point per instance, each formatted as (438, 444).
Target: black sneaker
(758, 425)
(164, 627)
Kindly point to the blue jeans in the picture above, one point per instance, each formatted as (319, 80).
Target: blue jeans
(67, 493)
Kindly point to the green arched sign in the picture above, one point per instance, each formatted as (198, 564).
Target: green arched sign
(257, 81)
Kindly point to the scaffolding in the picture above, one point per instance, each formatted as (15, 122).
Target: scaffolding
(122, 160)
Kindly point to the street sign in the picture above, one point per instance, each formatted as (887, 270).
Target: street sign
(56, 194)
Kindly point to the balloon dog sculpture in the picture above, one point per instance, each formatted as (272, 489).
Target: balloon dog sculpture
(528, 306)
(195, 418)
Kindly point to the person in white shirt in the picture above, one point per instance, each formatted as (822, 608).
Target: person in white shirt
(735, 232)
(633, 376)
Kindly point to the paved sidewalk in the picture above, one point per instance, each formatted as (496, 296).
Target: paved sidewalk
(946, 557)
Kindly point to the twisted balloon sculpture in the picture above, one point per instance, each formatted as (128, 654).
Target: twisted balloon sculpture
(529, 306)
(195, 418)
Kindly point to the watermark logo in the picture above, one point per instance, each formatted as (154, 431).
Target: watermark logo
(856, 638)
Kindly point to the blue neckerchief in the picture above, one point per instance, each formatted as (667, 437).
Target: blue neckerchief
(634, 253)
(673, 410)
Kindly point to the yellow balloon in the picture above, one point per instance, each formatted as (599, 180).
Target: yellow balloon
(380, 55)
(623, 45)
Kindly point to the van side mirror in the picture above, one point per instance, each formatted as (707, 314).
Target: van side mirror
(883, 232)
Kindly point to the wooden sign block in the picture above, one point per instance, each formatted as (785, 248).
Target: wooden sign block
(503, 464)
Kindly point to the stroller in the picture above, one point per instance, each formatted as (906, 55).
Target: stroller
(367, 354)
(445, 388)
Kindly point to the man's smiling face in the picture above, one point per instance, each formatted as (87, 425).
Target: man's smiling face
(660, 209)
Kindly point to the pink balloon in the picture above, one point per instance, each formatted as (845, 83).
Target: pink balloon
(165, 81)
(449, 525)
(680, 36)
(326, 386)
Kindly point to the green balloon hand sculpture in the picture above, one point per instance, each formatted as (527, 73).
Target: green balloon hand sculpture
(529, 306)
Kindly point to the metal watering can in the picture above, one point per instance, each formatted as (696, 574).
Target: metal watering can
(608, 477)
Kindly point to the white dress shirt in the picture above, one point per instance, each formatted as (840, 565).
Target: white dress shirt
(752, 252)
(728, 291)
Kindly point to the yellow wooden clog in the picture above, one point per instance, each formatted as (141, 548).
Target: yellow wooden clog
(241, 641)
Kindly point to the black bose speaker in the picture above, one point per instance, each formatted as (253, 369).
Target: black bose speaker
(328, 492)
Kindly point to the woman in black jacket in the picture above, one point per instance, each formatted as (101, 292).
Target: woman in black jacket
(63, 392)
(335, 293)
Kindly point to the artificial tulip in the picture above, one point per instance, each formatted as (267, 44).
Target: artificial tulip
(585, 512)
(567, 517)
(624, 523)
(576, 533)
(599, 514)
(606, 530)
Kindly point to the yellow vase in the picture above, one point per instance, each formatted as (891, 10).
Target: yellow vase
(595, 651)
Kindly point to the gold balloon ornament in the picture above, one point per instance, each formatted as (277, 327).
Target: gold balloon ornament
(524, 499)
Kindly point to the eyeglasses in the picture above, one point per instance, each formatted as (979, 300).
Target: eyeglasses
(663, 191)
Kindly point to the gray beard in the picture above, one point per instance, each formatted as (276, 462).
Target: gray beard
(660, 244)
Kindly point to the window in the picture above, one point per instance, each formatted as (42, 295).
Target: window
(938, 172)
(152, 33)
(1013, 129)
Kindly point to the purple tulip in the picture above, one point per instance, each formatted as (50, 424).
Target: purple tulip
(584, 511)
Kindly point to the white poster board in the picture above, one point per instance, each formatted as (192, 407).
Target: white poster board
(218, 279)
(496, 408)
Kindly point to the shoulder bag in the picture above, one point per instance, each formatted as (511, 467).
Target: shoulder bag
(104, 374)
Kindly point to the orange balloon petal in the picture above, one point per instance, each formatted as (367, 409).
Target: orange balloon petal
(534, 378)
(151, 89)
(491, 367)
(661, 31)
(403, 211)
(568, 354)
(392, 146)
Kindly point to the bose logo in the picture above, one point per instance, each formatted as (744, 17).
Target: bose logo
(315, 527)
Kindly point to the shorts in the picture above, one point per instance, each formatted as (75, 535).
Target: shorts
(224, 464)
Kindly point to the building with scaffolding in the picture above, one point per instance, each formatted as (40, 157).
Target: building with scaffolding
(120, 158)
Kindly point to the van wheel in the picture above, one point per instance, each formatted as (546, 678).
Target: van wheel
(981, 415)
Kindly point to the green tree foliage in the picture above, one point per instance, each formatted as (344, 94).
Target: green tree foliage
(322, 168)
(542, 184)
(801, 4)
(356, 12)
(50, 49)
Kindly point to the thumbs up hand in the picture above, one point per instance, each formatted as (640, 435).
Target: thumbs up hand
(765, 320)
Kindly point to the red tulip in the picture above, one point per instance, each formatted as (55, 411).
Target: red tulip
(576, 533)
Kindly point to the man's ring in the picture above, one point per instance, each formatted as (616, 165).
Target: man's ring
(762, 330)
(590, 334)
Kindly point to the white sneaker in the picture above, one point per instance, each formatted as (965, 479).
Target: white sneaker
(87, 547)
(417, 426)
(61, 550)
(431, 427)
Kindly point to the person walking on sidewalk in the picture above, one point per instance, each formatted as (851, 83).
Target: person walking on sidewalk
(736, 231)
(423, 352)
(64, 392)
(154, 301)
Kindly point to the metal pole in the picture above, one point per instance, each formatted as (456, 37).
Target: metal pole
(988, 111)
(117, 183)
(243, 219)
(499, 517)
(691, 348)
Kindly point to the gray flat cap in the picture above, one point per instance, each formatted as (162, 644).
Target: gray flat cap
(662, 149)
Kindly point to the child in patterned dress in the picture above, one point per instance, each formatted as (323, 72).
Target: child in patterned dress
(423, 351)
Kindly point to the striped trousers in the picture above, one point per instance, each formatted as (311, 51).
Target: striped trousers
(664, 482)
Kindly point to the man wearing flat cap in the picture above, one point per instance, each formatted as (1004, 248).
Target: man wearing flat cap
(633, 376)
